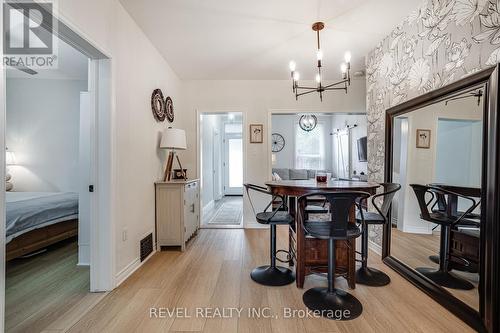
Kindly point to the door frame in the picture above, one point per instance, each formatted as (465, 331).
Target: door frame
(225, 160)
(217, 111)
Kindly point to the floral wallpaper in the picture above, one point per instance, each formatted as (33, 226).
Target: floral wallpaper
(438, 43)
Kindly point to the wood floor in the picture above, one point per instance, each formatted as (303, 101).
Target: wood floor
(214, 273)
(415, 249)
(47, 291)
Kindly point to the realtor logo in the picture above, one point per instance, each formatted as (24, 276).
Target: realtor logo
(29, 36)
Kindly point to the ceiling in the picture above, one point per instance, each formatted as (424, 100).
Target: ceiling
(255, 40)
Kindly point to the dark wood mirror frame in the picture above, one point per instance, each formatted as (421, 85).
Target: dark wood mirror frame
(488, 318)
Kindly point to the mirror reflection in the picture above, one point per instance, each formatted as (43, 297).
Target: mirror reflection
(436, 217)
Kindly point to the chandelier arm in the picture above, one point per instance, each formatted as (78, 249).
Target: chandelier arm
(305, 93)
(336, 88)
(302, 87)
(335, 84)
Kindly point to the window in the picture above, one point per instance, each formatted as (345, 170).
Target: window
(310, 148)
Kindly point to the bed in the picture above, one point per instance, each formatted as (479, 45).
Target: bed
(35, 220)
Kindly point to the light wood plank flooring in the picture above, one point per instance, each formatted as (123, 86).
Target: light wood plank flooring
(415, 249)
(47, 287)
(214, 272)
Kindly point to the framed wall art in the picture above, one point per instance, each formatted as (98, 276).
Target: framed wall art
(423, 138)
(256, 133)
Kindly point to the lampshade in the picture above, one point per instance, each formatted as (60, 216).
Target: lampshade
(10, 158)
(173, 138)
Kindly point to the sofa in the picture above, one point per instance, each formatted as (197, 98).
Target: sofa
(297, 174)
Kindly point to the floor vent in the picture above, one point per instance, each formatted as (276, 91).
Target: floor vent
(146, 246)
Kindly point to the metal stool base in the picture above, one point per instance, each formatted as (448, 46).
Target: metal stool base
(445, 279)
(372, 277)
(337, 305)
(272, 276)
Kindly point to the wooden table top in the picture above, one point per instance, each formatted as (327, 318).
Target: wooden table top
(313, 185)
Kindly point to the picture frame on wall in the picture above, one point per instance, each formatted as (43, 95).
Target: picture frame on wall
(423, 138)
(256, 133)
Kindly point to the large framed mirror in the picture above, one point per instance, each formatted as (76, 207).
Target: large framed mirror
(443, 235)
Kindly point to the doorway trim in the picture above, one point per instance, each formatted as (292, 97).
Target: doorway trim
(199, 174)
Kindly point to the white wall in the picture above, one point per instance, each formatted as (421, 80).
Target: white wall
(210, 131)
(43, 119)
(137, 69)
(257, 99)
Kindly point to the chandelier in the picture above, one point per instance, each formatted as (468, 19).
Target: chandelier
(345, 68)
(308, 122)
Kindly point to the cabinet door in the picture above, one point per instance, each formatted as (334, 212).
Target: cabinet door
(190, 208)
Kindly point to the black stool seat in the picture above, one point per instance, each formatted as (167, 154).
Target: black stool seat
(371, 217)
(278, 218)
(319, 229)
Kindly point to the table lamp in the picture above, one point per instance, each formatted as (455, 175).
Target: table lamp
(173, 139)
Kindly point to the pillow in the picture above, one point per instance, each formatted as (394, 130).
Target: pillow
(298, 174)
(283, 173)
(276, 176)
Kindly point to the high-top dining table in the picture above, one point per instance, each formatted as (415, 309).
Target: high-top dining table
(309, 254)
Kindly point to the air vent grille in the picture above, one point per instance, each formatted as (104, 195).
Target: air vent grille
(146, 246)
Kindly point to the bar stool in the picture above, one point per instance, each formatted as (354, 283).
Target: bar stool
(272, 275)
(441, 276)
(329, 300)
(366, 275)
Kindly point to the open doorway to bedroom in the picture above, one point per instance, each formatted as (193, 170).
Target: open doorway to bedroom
(221, 156)
(47, 200)
(56, 151)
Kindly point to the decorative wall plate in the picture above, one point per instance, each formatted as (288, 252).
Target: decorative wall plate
(158, 105)
(169, 109)
(277, 142)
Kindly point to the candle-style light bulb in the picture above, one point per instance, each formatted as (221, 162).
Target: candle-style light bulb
(347, 57)
(296, 76)
(292, 66)
(343, 68)
(319, 55)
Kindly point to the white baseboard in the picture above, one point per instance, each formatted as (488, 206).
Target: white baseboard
(209, 206)
(131, 268)
(83, 255)
(375, 247)
(417, 230)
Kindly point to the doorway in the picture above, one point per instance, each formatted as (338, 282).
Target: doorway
(221, 164)
(90, 248)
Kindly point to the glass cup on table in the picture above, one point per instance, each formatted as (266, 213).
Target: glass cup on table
(321, 177)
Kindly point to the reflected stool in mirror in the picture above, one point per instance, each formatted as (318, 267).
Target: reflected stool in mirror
(366, 275)
(330, 300)
(441, 276)
(272, 275)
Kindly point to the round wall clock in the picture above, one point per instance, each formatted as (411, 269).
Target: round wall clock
(169, 107)
(278, 142)
(158, 105)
